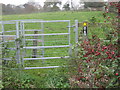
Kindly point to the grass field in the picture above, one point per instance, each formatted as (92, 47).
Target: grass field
(81, 16)
(44, 76)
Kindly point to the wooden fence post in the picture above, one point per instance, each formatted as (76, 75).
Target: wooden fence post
(35, 43)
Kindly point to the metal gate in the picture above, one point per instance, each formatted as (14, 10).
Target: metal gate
(8, 35)
(42, 40)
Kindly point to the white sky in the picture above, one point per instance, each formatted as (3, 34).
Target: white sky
(18, 2)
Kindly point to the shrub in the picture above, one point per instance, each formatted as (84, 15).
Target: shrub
(97, 65)
(97, 62)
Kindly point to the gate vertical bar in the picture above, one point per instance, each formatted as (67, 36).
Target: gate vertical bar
(21, 33)
(2, 26)
(76, 36)
(17, 43)
(23, 42)
(42, 26)
(76, 31)
(69, 40)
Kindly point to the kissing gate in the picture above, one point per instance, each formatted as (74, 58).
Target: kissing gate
(24, 41)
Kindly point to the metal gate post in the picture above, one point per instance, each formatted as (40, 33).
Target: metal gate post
(2, 27)
(42, 27)
(76, 36)
(76, 31)
(17, 43)
(69, 40)
(23, 42)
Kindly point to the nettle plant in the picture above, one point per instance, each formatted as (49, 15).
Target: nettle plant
(98, 60)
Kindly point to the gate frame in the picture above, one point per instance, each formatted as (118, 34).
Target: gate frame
(42, 47)
(20, 30)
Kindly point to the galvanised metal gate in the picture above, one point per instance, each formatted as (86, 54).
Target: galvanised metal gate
(9, 33)
(43, 40)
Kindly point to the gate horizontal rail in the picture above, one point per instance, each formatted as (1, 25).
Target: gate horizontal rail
(39, 47)
(45, 21)
(46, 34)
(7, 59)
(45, 58)
(33, 30)
(7, 35)
(25, 30)
(7, 22)
(41, 67)
(32, 39)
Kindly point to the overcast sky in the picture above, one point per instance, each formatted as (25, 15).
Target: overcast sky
(18, 2)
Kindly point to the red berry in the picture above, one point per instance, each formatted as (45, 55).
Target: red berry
(92, 50)
(118, 56)
(107, 12)
(107, 52)
(82, 77)
(78, 79)
(79, 70)
(104, 21)
(87, 61)
(85, 56)
(105, 47)
(116, 74)
(98, 53)
(111, 3)
(102, 49)
(113, 52)
(109, 57)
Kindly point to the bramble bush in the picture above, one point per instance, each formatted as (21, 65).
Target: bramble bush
(97, 65)
(97, 62)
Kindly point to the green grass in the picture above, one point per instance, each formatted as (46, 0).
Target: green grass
(81, 16)
(50, 74)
